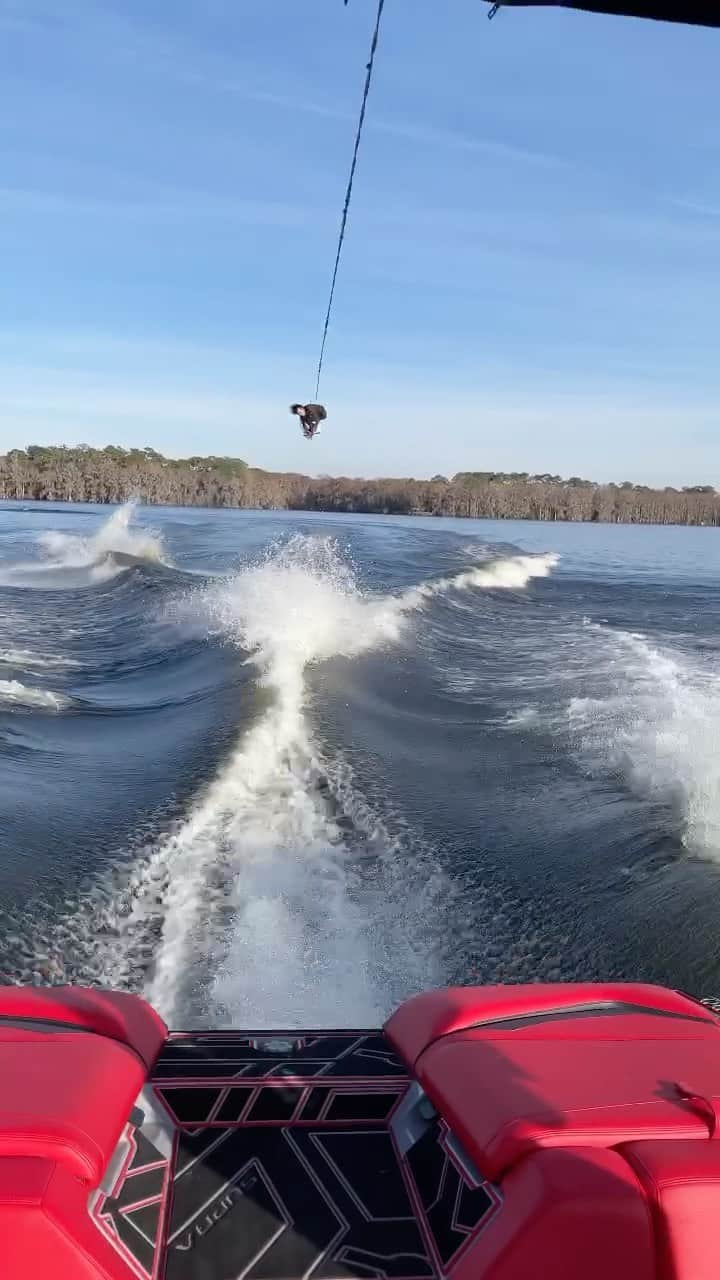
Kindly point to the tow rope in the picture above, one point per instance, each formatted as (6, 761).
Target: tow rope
(348, 193)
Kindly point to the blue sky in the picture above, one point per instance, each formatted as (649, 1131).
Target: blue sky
(532, 272)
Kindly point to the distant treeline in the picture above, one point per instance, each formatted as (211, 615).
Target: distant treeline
(84, 474)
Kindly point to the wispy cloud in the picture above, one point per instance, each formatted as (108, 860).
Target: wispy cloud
(697, 207)
(601, 433)
(19, 15)
(121, 37)
(86, 18)
(420, 134)
(116, 404)
(539, 288)
(297, 103)
(178, 205)
(450, 139)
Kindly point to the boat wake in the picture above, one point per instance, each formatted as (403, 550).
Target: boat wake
(658, 729)
(16, 694)
(281, 898)
(71, 560)
(511, 573)
(30, 660)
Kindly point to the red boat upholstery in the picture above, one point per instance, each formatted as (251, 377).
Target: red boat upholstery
(113, 1014)
(72, 1063)
(426, 1018)
(577, 1137)
(567, 1215)
(561, 1074)
(682, 1184)
(65, 1096)
(46, 1232)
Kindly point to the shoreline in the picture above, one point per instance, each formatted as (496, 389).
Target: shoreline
(49, 473)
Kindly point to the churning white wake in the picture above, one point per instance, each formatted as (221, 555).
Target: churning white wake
(302, 937)
(108, 550)
(33, 660)
(14, 693)
(511, 573)
(658, 728)
(282, 899)
(72, 560)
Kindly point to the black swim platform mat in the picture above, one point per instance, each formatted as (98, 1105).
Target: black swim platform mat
(286, 1168)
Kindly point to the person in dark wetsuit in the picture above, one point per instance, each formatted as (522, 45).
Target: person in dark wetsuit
(310, 415)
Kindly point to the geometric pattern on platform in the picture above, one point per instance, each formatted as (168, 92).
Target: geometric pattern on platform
(285, 1168)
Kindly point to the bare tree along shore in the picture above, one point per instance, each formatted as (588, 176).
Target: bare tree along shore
(113, 474)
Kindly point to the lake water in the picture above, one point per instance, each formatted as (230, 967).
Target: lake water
(276, 768)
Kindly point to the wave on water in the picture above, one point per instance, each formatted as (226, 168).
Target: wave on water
(71, 560)
(29, 660)
(15, 694)
(281, 899)
(511, 573)
(114, 546)
(658, 728)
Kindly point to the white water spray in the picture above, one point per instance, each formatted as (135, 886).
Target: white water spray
(13, 693)
(512, 573)
(659, 728)
(282, 899)
(107, 551)
(300, 941)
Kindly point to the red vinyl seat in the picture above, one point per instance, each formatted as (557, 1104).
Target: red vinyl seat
(566, 1215)
(65, 1096)
(681, 1181)
(114, 1014)
(72, 1063)
(548, 1009)
(46, 1232)
(514, 1070)
(505, 1100)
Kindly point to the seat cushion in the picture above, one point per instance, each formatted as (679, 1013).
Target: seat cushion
(505, 1098)
(115, 1014)
(65, 1096)
(565, 1215)
(550, 1010)
(46, 1232)
(682, 1184)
